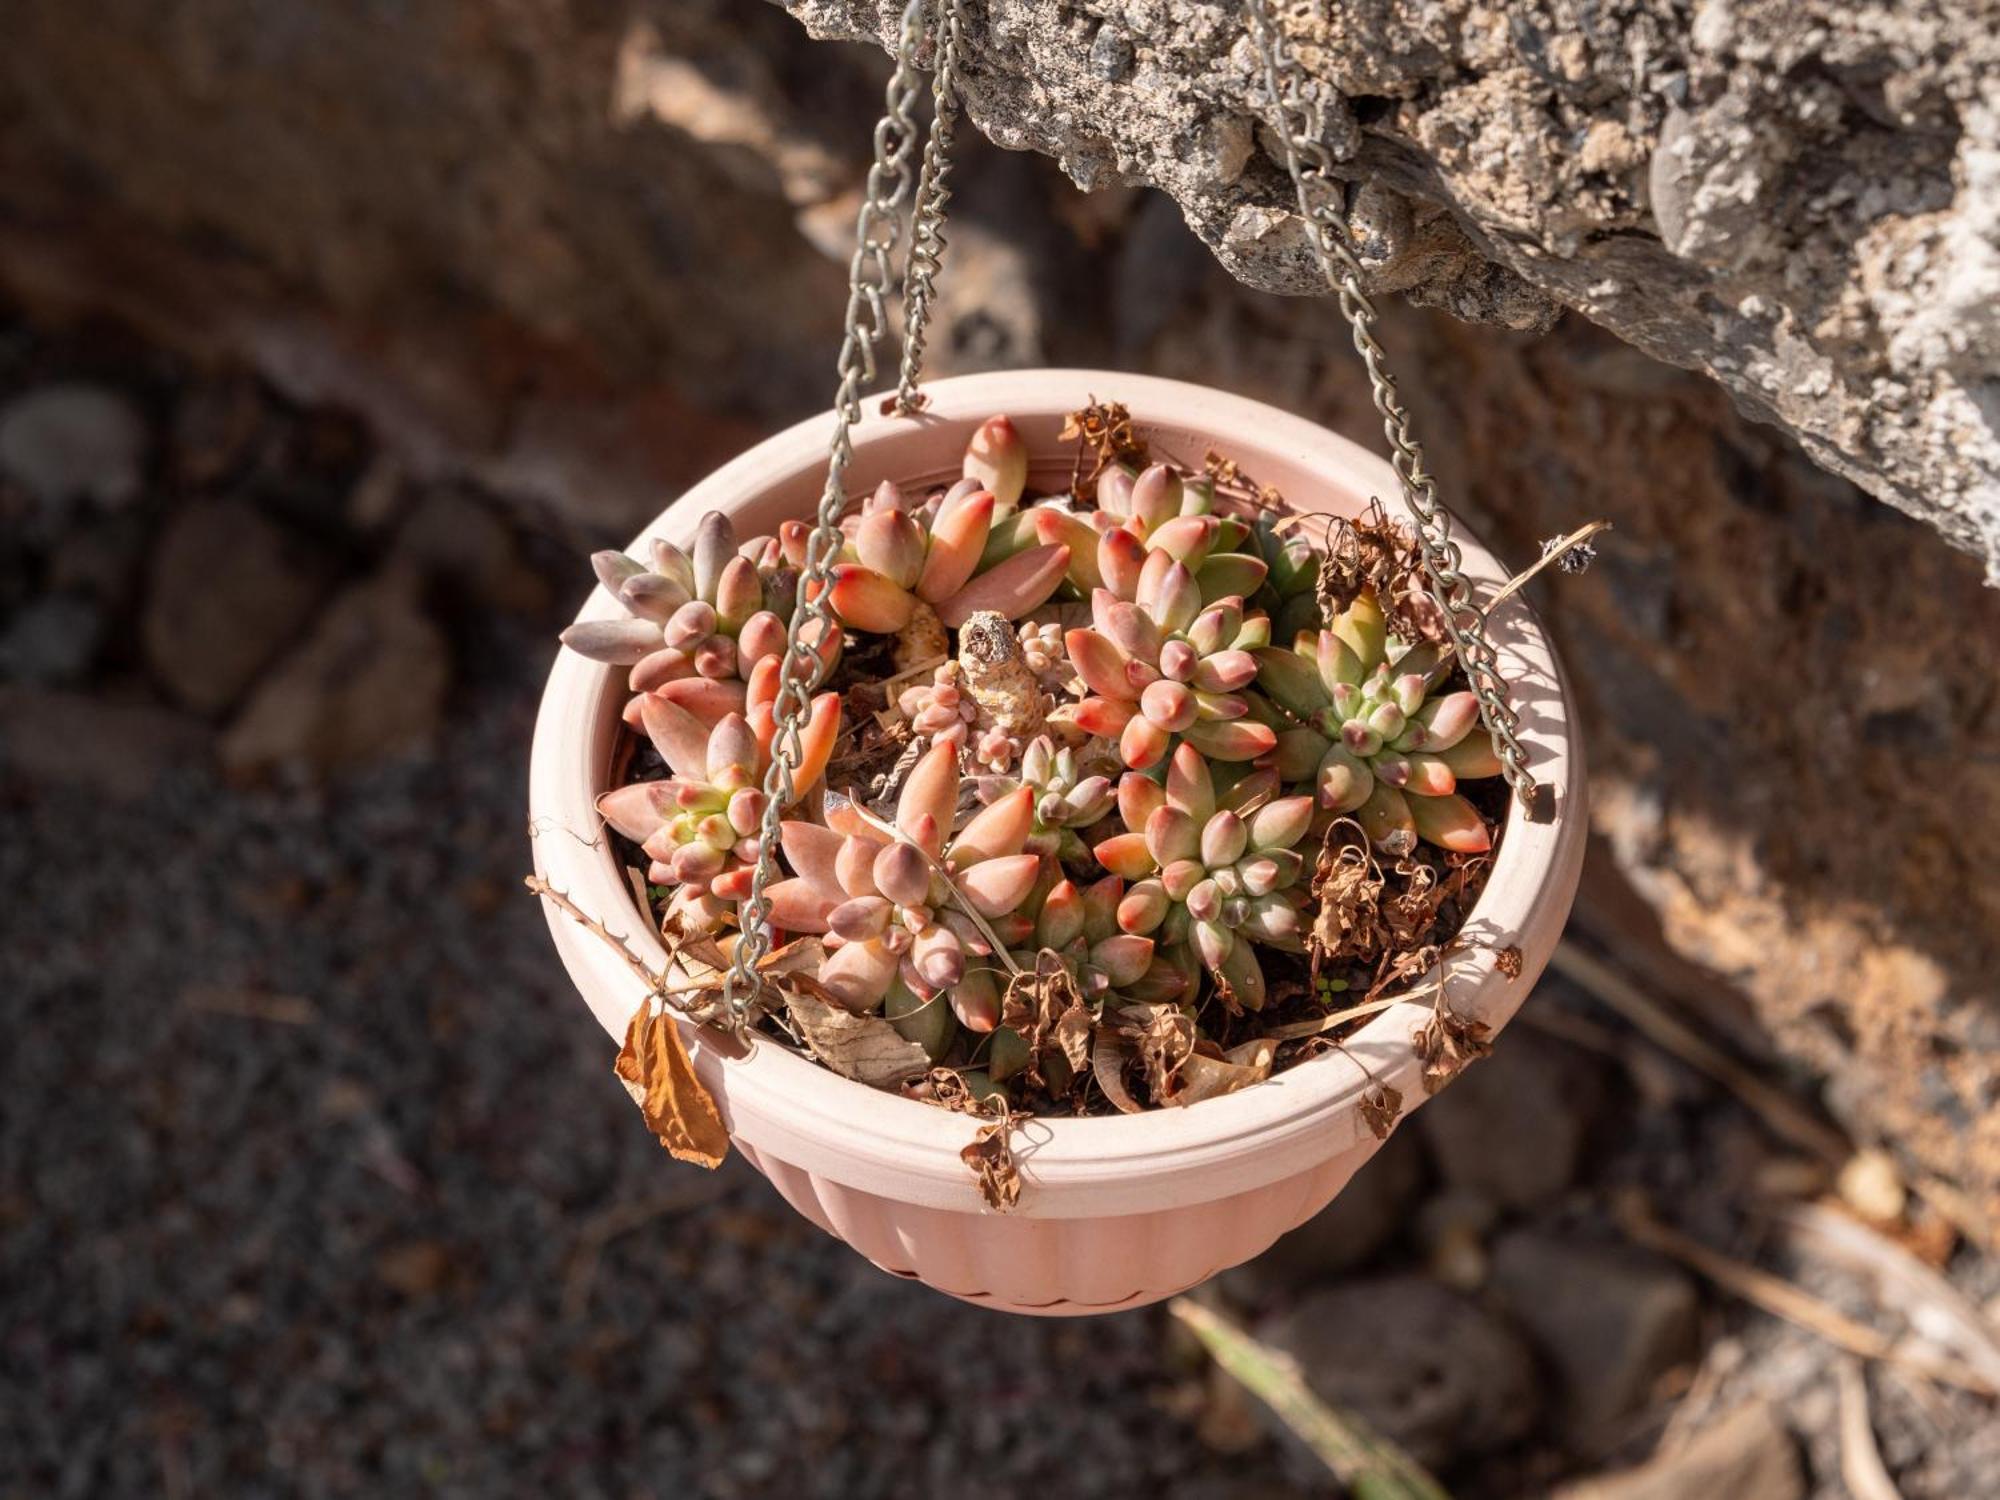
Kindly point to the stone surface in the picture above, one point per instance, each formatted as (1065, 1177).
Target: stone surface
(229, 590)
(1424, 1366)
(73, 442)
(369, 682)
(1799, 199)
(1748, 1455)
(1513, 1128)
(115, 748)
(1610, 1320)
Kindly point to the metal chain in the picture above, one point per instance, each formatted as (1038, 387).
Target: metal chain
(1301, 131)
(933, 193)
(870, 277)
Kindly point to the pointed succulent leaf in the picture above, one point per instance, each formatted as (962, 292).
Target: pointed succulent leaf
(714, 545)
(1016, 586)
(1190, 787)
(799, 906)
(1471, 758)
(858, 975)
(1244, 976)
(1386, 819)
(1239, 739)
(618, 643)
(958, 537)
(636, 810)
(1122, 959)
(1291, 680)
(1364, 629)
(998, 458)
(1343, 781)
(931, 788)
(1281, 824)
(997, 886)
(1186, 539)
(867, 600)
(1143, 744)
(1450, 822)
(1126, 854)
(1227, 574)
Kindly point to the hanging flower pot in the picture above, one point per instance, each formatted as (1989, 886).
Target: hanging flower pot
(1113, 1210)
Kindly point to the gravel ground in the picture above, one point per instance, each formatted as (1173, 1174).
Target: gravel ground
(304, 1143)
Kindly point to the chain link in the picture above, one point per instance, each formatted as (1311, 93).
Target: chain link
(927, 240)
(1300, 124)
(870, 276)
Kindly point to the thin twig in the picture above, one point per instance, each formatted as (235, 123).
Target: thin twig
(1560, 548)
(1860, 1459)
(1792, 1303)
(655, 983)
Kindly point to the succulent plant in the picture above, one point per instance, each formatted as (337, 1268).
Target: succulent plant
(1374, 736)
(706, 615)
(1159, 512)
(1071, 791)
(1162, 668)
(911, 573)
(1080, 926)
(1290, 591)
(698, 826)
(896, 905)
(1217, 872)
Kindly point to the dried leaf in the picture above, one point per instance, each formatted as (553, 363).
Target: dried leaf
(865, 1048)
(1072, 1034)
(1107, 1063)
(1205, 1077)
(660, 1077)
(1381, 1107)
(1103, 431)
(1163, 1036)
(1508, 960)
(991, 1157)
(1446, 1043)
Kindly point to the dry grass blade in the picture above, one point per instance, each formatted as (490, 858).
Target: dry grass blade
(1785, 1116)
(1860, 1460)
(1372, 1467)
(1782, 1299)
(1935, 1307)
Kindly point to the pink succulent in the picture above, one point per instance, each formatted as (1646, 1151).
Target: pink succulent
(1162, 668)
(894, 907)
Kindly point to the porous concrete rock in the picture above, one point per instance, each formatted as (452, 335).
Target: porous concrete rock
(1799, 197)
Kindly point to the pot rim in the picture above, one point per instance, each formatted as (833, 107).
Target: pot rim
(1093, 1166)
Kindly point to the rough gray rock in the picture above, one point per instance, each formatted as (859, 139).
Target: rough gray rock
(1422, 1365)
(229, 589)
(1611, 1320)
(1513, 1129)
(1799, 197)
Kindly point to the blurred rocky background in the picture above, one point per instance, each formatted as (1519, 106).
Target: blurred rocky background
(331, 339)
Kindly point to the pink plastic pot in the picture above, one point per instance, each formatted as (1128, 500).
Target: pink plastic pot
(1115, 1212)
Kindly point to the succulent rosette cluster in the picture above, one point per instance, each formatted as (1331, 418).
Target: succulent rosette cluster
(1112, 741)
(1216, 871)
(1377, 734)
(913, 909)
